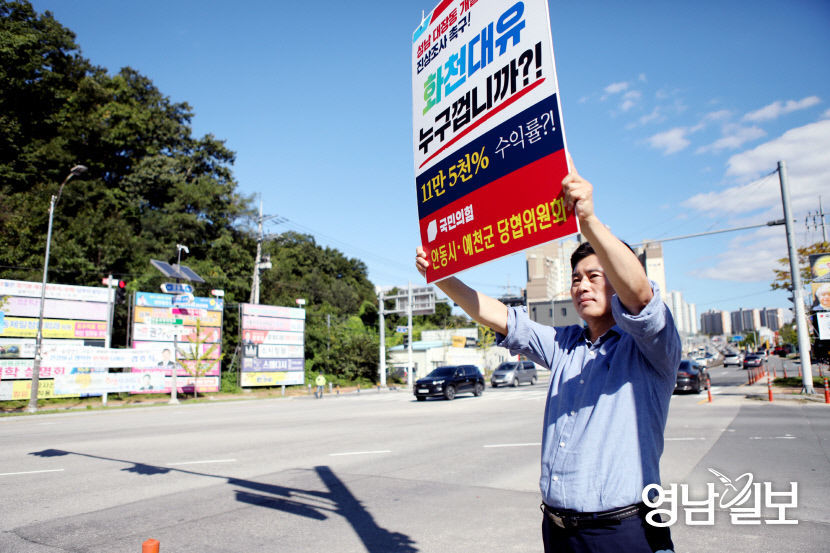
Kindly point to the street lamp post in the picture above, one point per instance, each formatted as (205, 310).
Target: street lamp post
(74, 172)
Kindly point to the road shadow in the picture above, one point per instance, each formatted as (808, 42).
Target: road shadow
(336, 499)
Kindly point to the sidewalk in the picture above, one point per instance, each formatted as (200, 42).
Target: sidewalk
(760, 390)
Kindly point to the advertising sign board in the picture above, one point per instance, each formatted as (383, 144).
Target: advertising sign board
(272, 345)
(488, 143)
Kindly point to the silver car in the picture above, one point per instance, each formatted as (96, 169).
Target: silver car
(513, 373)
(732, 358)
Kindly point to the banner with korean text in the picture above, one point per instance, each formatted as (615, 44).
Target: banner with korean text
(488, 142)
(273, 345)
(167, 332)
(73, 317)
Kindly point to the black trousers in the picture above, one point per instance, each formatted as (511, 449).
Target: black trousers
(631, 535)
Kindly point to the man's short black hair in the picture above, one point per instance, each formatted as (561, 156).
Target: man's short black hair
(585, 249)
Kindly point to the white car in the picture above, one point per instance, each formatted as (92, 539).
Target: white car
(732, 358)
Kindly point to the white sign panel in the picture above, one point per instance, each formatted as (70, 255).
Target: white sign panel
(103, 383)
(55, 291)
(823, 326)
(86, 356)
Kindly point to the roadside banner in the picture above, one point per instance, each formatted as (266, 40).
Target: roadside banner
(823, 326)
(103, 383)
(86, 356)
(56, 291)
(165, 325)
(488, 142)
(272, 378)
(57, 309)
(273, 345)
(18, 369)
(54, 328)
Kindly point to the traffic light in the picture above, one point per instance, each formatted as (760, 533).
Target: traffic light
(121, 292)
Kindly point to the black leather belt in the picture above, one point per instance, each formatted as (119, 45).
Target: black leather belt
(564, 518)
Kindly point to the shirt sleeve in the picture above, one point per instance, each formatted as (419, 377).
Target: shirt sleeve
(653, 330)
(529, 338)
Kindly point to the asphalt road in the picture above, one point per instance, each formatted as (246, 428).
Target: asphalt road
(376, 472)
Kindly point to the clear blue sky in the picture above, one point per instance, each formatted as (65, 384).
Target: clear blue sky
(675, 111)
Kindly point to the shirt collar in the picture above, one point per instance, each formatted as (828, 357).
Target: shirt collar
(611, 332)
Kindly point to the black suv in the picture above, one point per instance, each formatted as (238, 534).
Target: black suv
(449, 381)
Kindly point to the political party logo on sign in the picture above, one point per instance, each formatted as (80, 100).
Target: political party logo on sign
(488, 142)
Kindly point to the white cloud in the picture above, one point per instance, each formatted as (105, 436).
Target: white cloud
(719, 115)
(779, 108)
(826, 114)
(630, 99)
(670, 141)
(749, 258)
(616, 88)
(641, 77)
(752, 257)
(734, 136)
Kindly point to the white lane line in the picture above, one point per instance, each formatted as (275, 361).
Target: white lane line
(360, 453)
(30, 472)
(773, 437)
(529, 444)
(683, 439)
(205, 462)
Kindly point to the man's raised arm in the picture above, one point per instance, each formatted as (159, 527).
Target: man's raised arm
(482, 308)
(622, 268)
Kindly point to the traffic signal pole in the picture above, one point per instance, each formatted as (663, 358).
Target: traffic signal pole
(798, 298)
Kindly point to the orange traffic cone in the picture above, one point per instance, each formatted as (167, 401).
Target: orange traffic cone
(150, 546)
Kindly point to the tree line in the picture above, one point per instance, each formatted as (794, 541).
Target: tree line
(152, 184)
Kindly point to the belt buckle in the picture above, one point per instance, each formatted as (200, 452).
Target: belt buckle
(557, 520)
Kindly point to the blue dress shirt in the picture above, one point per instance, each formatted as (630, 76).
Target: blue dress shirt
(607, 403)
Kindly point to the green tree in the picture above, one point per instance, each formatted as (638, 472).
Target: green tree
(198, 355)
(150, 184)
(782, 279)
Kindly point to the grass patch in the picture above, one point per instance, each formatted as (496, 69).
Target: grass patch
(797, 382)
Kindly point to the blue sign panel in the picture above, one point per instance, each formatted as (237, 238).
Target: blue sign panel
(147, 299)
(176, 288)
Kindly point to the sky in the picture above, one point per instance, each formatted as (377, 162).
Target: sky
(677, 112)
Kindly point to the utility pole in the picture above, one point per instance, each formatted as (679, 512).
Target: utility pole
(815, 225)
(409, 382)
(382, 369)
(798, 299)
(261, 262)
(255, 284)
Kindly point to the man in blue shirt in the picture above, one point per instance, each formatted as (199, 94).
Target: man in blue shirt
(609, 393)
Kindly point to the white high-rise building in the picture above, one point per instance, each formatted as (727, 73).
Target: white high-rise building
(549, 271)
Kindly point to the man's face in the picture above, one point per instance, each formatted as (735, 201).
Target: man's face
(590, 290)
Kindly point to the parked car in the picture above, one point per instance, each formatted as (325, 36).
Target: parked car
(450, 380)
(513, 373)
(783, 350)
(691, 376)
(733, 358)
(753, 360)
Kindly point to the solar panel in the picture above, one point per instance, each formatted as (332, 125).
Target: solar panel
(165, 268)
(187, 273)
(181, 272)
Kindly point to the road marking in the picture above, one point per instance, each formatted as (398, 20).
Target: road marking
(29, 472)
(773, 437)
(360, 452)
(205, 462)
(683, 439)
(529, 444)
